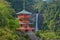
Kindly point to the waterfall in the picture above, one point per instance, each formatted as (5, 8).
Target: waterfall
(36, 28)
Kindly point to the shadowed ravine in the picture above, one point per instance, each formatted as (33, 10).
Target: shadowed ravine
(32, 36)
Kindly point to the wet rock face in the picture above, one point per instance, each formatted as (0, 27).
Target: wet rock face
(32, 35)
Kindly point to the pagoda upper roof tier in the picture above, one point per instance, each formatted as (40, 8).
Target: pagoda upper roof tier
(24, 12)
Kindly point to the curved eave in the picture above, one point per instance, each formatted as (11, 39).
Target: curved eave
(24, 23)
(24, 12)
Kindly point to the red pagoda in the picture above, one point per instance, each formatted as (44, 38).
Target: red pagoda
(24, 21)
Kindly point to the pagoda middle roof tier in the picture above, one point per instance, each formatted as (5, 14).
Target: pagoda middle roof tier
(24, 23)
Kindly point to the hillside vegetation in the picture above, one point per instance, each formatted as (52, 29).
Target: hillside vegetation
(49, 18)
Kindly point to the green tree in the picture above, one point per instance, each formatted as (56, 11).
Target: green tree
(7, 22)
(50, 12)
(18, 5)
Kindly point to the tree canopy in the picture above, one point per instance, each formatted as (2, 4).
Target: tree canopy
(49, 18)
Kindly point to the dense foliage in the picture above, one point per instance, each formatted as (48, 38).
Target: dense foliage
(49, 18)
(51, 24)
(7, 22)
(18, 5)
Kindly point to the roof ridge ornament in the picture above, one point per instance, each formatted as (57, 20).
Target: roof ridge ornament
(23, 4)
(24, 11)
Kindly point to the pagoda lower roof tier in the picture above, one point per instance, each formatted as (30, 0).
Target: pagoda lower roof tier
(25, 29)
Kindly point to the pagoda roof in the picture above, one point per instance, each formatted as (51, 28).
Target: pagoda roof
(24, 23)
(24, 12)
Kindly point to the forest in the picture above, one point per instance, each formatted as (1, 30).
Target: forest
(49, 18)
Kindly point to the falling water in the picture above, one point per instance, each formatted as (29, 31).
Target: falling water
(36, 22)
